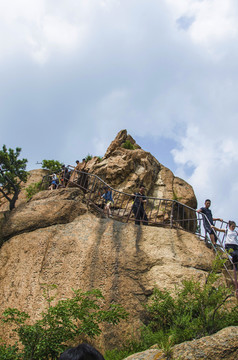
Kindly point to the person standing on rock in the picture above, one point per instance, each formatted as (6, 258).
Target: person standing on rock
(54, 182)
(77, 164)
(107, 196)
(79, 175)
(231, 241)
(83, 177)
(208, 221)
(64, 176)
(138, 207)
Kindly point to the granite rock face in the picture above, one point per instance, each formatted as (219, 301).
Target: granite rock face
(222, 345)
(124, 261)
(46, 208)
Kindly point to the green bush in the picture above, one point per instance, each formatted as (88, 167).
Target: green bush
(72, 318)
(53, 166)
(128, 145)
(88, 157)
(33, 189)
(195, 310)
(9, 352)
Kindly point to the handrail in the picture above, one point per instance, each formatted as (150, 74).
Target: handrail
(159, 212)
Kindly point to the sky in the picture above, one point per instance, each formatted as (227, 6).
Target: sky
(73, 73)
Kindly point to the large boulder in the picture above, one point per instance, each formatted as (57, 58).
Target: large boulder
(124, 261)
(46, 208)
(222, 345)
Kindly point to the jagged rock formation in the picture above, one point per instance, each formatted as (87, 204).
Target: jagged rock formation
(125, 170)
(222, 345)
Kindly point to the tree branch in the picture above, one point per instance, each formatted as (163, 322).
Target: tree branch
(5, 195)
(224, 300)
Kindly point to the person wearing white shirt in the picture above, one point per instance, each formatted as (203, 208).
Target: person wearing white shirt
(231, 241)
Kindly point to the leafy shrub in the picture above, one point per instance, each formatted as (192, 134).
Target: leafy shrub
(53, 165)
(33, 189)
(72, 318)
(128, 145)
(88, 157)
(196, 310)
(9, 352)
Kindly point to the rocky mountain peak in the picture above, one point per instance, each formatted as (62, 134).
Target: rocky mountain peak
(125, 169)
(119, 140)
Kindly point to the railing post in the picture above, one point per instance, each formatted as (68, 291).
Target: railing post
(172, 215)
(92, 188)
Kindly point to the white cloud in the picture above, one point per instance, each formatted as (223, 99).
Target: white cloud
(214, 21)
(39, 28)
(214, 158)
(55, 33)
(161, 69)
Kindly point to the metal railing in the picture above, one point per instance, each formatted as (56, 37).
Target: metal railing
(154, 212)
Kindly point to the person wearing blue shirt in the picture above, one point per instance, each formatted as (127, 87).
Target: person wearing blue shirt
(107, 196)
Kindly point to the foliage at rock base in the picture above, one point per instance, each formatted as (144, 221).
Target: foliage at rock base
(80, 315)
(196, 310)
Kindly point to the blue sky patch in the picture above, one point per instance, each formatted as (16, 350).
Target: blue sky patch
(184, 22)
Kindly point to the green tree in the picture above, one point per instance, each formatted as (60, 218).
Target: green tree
(53, 165)
(72, 318)
(12, 173)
